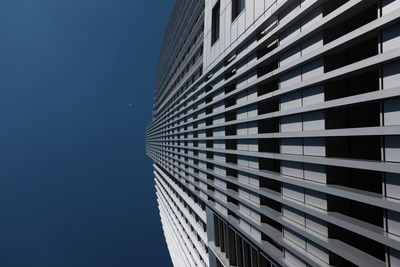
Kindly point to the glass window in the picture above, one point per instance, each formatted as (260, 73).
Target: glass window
(215, 23)
(237, 7)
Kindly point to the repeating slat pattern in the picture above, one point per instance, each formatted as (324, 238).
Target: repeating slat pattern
(276, 140)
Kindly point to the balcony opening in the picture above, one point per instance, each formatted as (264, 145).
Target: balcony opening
(364, 115)
(210, 188)
(336, 31)
(266, 49)
(270, 184)
(229, 88)
(361, 211)
(365, 180)
(232, 201)
(266, 88)
(229, 102)
(262, 70)
(268, 106)
(336, 260)
(351, 55)
(233, 187)
(229, 74)
(270, 203)
(230, 116)
(269, 164)
(272, 223)
(231, 144)
(268, 126)
(354, 85)
(231, 158)
(360, 242)
(268, 145)
(209, 144)
(231, 172)
(355, 147)
(210, 199)
(271, 241)
(230, 130)
(330, 6)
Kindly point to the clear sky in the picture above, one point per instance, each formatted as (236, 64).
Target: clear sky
(76, 188)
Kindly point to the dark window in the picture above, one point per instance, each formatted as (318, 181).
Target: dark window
(237, 250)
(215, 23)
(237, 8)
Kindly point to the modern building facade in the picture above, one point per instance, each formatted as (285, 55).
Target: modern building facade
(276, 133)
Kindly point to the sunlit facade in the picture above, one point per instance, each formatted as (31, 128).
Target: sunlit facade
(276, 133)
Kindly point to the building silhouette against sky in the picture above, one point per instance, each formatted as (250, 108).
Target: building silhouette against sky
(276, 133)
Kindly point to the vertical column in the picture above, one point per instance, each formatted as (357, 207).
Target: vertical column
(390, 38)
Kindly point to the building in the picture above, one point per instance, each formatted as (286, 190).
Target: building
(276, 133)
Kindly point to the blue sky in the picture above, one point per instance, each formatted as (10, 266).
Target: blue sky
(76, 188)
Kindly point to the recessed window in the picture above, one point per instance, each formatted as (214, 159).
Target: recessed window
(237, 8)
(215, 23)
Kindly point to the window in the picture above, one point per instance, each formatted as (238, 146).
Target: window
(215, 23)
(237, 7)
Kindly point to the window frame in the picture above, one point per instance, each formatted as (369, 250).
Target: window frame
(215, 22)
(238, 6)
